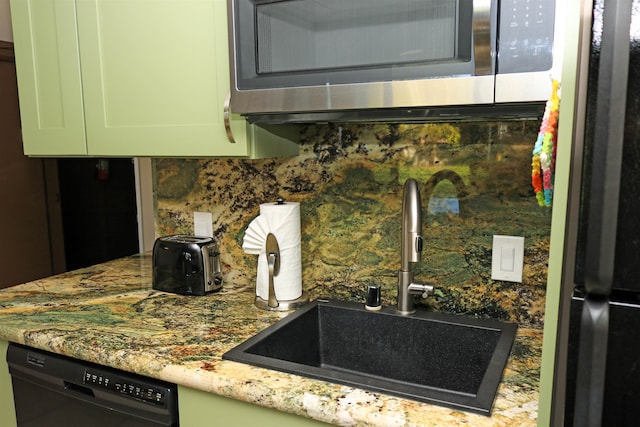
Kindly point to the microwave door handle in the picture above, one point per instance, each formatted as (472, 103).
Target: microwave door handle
(227, 118)
(482, 37)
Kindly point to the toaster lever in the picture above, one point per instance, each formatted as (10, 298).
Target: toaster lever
(187, 266)
(215, 276)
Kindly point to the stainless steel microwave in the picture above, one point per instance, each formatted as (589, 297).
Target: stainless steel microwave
(349, 60)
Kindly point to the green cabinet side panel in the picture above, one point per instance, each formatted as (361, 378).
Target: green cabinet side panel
(575, 19)
(7, 412)
(200, 409)
(49, 84)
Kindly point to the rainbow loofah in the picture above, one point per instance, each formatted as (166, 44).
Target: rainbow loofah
(544, 151)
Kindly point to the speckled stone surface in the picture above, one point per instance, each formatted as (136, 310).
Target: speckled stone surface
(348, 181)
(109, 314)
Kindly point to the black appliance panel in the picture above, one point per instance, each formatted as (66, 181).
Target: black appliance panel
(622, 375)
(627, 245)
(51, 390)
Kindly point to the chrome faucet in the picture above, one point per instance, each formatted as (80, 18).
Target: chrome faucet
(411, 250)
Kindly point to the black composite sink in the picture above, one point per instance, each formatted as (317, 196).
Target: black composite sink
(449, 360)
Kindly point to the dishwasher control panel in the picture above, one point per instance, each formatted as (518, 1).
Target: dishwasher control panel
(62, 385)
(128, 387)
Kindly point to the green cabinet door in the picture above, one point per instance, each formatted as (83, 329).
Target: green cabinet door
(49, 83)
(7, 411)
(151, 79)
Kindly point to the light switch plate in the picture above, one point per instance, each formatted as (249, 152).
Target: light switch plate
(507, 258)
(203, 224)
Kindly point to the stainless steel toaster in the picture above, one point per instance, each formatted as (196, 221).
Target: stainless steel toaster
(187, 265)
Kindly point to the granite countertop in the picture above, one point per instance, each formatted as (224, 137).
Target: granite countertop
(108, 314)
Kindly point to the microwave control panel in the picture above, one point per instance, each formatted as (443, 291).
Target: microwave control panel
(526, 35)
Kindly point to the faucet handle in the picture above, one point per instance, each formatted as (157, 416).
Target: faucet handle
(425, 294)
(421, 288)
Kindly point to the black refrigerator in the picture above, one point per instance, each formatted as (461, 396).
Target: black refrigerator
(599, 366)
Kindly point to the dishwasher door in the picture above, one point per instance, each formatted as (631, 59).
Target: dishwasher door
(51, 390)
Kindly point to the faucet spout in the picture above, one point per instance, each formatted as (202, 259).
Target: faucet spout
(411, 248)
(411, 224)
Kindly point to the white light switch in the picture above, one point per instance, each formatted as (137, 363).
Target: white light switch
(507, 258)
(203, 224)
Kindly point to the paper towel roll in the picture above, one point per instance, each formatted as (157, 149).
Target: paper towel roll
(283, 221)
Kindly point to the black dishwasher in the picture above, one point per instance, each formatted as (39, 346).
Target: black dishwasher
(51, 390)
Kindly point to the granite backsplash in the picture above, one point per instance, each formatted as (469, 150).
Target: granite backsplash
(475, 182)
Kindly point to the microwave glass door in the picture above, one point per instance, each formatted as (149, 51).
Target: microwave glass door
(295, 43)
(305, 35)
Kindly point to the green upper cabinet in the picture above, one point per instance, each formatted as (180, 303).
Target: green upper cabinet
(129, 78)
(49, 84)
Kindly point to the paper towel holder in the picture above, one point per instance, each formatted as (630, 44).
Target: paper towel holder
(273, 260)
(287, 305)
